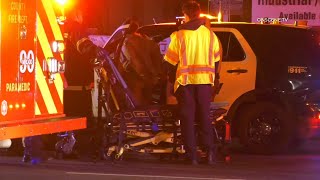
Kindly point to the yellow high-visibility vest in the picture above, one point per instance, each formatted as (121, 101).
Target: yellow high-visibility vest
(195, 52)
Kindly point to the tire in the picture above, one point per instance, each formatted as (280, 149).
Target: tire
(265, 128)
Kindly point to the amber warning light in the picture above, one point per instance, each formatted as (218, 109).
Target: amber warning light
(61, 2)
(210, 17)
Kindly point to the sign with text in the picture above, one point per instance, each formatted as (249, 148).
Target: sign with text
(290, 10)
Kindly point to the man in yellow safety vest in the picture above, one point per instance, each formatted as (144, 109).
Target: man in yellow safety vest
(195, 52)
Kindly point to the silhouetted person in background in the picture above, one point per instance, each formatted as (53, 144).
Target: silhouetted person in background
(140, 64)
(79, 72)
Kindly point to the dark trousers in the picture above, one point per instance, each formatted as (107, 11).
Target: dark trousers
(33, 146)
(194, 106)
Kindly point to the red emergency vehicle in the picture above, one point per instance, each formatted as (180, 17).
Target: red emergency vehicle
(31, 69)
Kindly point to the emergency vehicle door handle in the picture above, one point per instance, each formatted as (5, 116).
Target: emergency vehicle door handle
(237, 71)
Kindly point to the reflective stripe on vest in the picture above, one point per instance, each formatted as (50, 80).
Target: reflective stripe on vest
(197, 52)
(200, 70)
(211, 48)
(196, 70)
(172, 56)
(183, 51)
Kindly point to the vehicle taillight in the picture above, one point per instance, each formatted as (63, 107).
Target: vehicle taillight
(315, 122)
(53, 66)
(17, 106)
(58, 46)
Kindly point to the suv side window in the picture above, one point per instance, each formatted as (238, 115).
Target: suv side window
(232, 50)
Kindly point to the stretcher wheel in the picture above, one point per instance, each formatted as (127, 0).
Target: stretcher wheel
(114, 157)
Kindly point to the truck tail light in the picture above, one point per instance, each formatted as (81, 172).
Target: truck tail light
(58, 46)
(53, 65)
(315, 122)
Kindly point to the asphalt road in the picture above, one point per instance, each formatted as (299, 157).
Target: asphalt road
(304, 164)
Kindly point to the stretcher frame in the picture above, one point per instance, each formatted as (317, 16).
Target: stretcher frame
(153, 129)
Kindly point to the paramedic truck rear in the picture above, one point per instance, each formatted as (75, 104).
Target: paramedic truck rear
(31, 69)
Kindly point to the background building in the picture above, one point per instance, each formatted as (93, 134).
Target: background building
(107, 15)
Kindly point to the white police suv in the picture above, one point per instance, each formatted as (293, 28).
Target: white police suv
(270, 78)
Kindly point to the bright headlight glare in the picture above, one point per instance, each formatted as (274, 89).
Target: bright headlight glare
(295, 84)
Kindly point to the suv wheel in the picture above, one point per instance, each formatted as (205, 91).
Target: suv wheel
(265, 128)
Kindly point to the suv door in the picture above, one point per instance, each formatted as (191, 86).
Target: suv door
(238, 69)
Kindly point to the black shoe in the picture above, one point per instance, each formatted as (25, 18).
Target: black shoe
(192, 160)
(26, 158)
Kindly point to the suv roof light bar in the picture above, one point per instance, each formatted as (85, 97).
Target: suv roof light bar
(179, 19)
(301, 23)
(210, 17)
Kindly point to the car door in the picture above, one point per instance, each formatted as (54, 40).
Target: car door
(238, 68)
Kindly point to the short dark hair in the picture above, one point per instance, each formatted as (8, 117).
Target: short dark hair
(192, 9)
(133, 25)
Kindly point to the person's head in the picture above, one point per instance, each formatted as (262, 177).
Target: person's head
(75, 13)
(77, 16)
(191, 10)
(133, 25)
